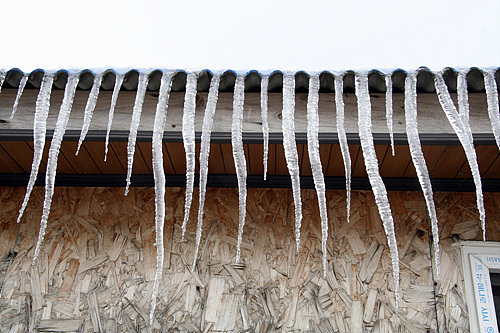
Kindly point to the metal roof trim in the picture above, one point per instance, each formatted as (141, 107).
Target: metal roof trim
(475, 78)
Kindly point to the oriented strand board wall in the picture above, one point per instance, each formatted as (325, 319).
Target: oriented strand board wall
(96, 268)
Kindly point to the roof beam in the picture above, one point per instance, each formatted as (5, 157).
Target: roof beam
(431, 118)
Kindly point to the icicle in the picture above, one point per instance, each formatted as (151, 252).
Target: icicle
(20, 90)
(188, 136)
(239, 155)
(344, 146)
(265, 125)
(314, 157)
(463, 102)
(418, 159)
(134, 124)
(114, 98)
(55, 145)
(39, 130)
(89, 109)
(2, 78)
(159, 178)
(208, 121)
(492, 98)
(291, 155)
(389, 109)
(371, 163)
(462, 130)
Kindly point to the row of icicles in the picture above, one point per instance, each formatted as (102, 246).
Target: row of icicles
(459, 120)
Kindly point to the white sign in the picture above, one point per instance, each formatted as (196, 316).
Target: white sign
(483, 294)
(478, 259)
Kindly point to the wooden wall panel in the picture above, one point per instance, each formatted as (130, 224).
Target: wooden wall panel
(139, 166)
(304, 163)
(81, 163)
(197, 148)
(177, 156)
(324, 154)
(7, 164)
(359, 168)
(395, 166)
(450, 162)
(98, 259)
(216, 160)
(494, 170)
(272, 160)
(256, 156)
(227, 154)
(281, 167)
(335, 163)
(19, 152)
(486, 155)
(432, 154)
(63, 165)
(442, 161)
(145, 150)
(96, 150)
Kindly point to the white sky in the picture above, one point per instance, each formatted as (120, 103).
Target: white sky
(250, 34)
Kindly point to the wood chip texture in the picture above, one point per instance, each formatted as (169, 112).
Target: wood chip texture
(94, 272)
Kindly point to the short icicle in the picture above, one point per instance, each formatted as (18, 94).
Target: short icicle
(2, 78)
(39, 130)
(89, 109)
(418, 159)
(314, 158)
(188, 137)
(371, 163)
(264, 83)
(114, 98)
(208, 121)
(134, 124)
(389, 109)
(462, 131)
(290, 146)
(60, 129)
(344, 146)
(239, 156)
(20, 90)
(159, 179)
(492, 98)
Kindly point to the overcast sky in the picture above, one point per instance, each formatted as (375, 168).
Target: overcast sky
(236, 34)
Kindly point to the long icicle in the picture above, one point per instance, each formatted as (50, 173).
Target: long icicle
(55, 145)
(462, 131)
(89, 109)
(159, 179)
(418, 159)
(208, 121)
(114, 98)
(290, 146)
(20, 90)
(134, 124)
(492, 98)
(389, 109)
(371, 163)
(314, 158)
(344, 146)
(188, 136)
(39, 131)
(463, 102)
(264, 83)
(239, 156)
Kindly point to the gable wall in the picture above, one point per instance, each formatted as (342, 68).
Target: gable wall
(98, 259)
